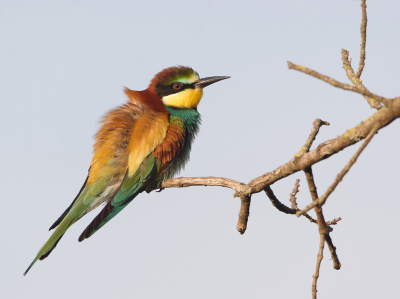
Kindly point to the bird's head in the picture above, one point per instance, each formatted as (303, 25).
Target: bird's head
(180, 86)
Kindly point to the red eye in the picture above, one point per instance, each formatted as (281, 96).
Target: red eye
(177, 86)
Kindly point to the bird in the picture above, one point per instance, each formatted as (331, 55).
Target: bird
(139, 145)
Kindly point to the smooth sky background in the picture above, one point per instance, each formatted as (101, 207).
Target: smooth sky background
(63, 64)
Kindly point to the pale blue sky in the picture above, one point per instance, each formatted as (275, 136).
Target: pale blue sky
(63, 65)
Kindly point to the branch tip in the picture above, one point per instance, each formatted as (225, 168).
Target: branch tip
(317, 123)
(335, 83)
(363, 31)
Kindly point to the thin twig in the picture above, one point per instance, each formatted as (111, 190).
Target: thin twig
(293, 194)
(317, 123)
(319, 260)
(276, 202)
(332, 249)
(356, 80)
(334, 221)
(363, 31)
(323, 228)
(340, 176)
(311, 185)
(337, 84)
(312, 220)
(282, 207)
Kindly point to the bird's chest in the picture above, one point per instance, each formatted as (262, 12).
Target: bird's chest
(174, 152)
(173, 143)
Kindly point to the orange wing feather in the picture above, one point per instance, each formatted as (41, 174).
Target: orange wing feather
(110, 155)
(148, 132)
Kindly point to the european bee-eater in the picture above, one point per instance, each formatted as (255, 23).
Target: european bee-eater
(140, 144)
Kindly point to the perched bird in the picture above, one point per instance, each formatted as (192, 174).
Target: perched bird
(139, 145)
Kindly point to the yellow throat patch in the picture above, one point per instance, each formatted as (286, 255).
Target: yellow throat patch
(188, 98)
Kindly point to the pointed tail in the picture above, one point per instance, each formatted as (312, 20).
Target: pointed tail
(42, 256)
(52, 242)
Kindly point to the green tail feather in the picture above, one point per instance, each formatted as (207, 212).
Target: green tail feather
(43, 256)
(77, 209)
(51, 242)
(31, 265)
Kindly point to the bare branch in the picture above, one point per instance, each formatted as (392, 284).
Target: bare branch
(363, 31)
(338, 84)
(334, 221)
(332, 249)
(293, 194)
(312, 220)
(282, 207)
(311, 186)
(340, 176)
(243, 213)
(202, 181)
(316, 125)
(276, 202)
(383, 117)
(323, 228)
(355, 80)
(319, 260)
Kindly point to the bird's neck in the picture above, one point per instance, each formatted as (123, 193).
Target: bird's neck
(191, 117)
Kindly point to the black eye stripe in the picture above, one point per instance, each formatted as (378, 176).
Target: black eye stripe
(163, 91)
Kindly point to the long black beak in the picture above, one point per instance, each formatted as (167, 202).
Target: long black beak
(201, 83)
